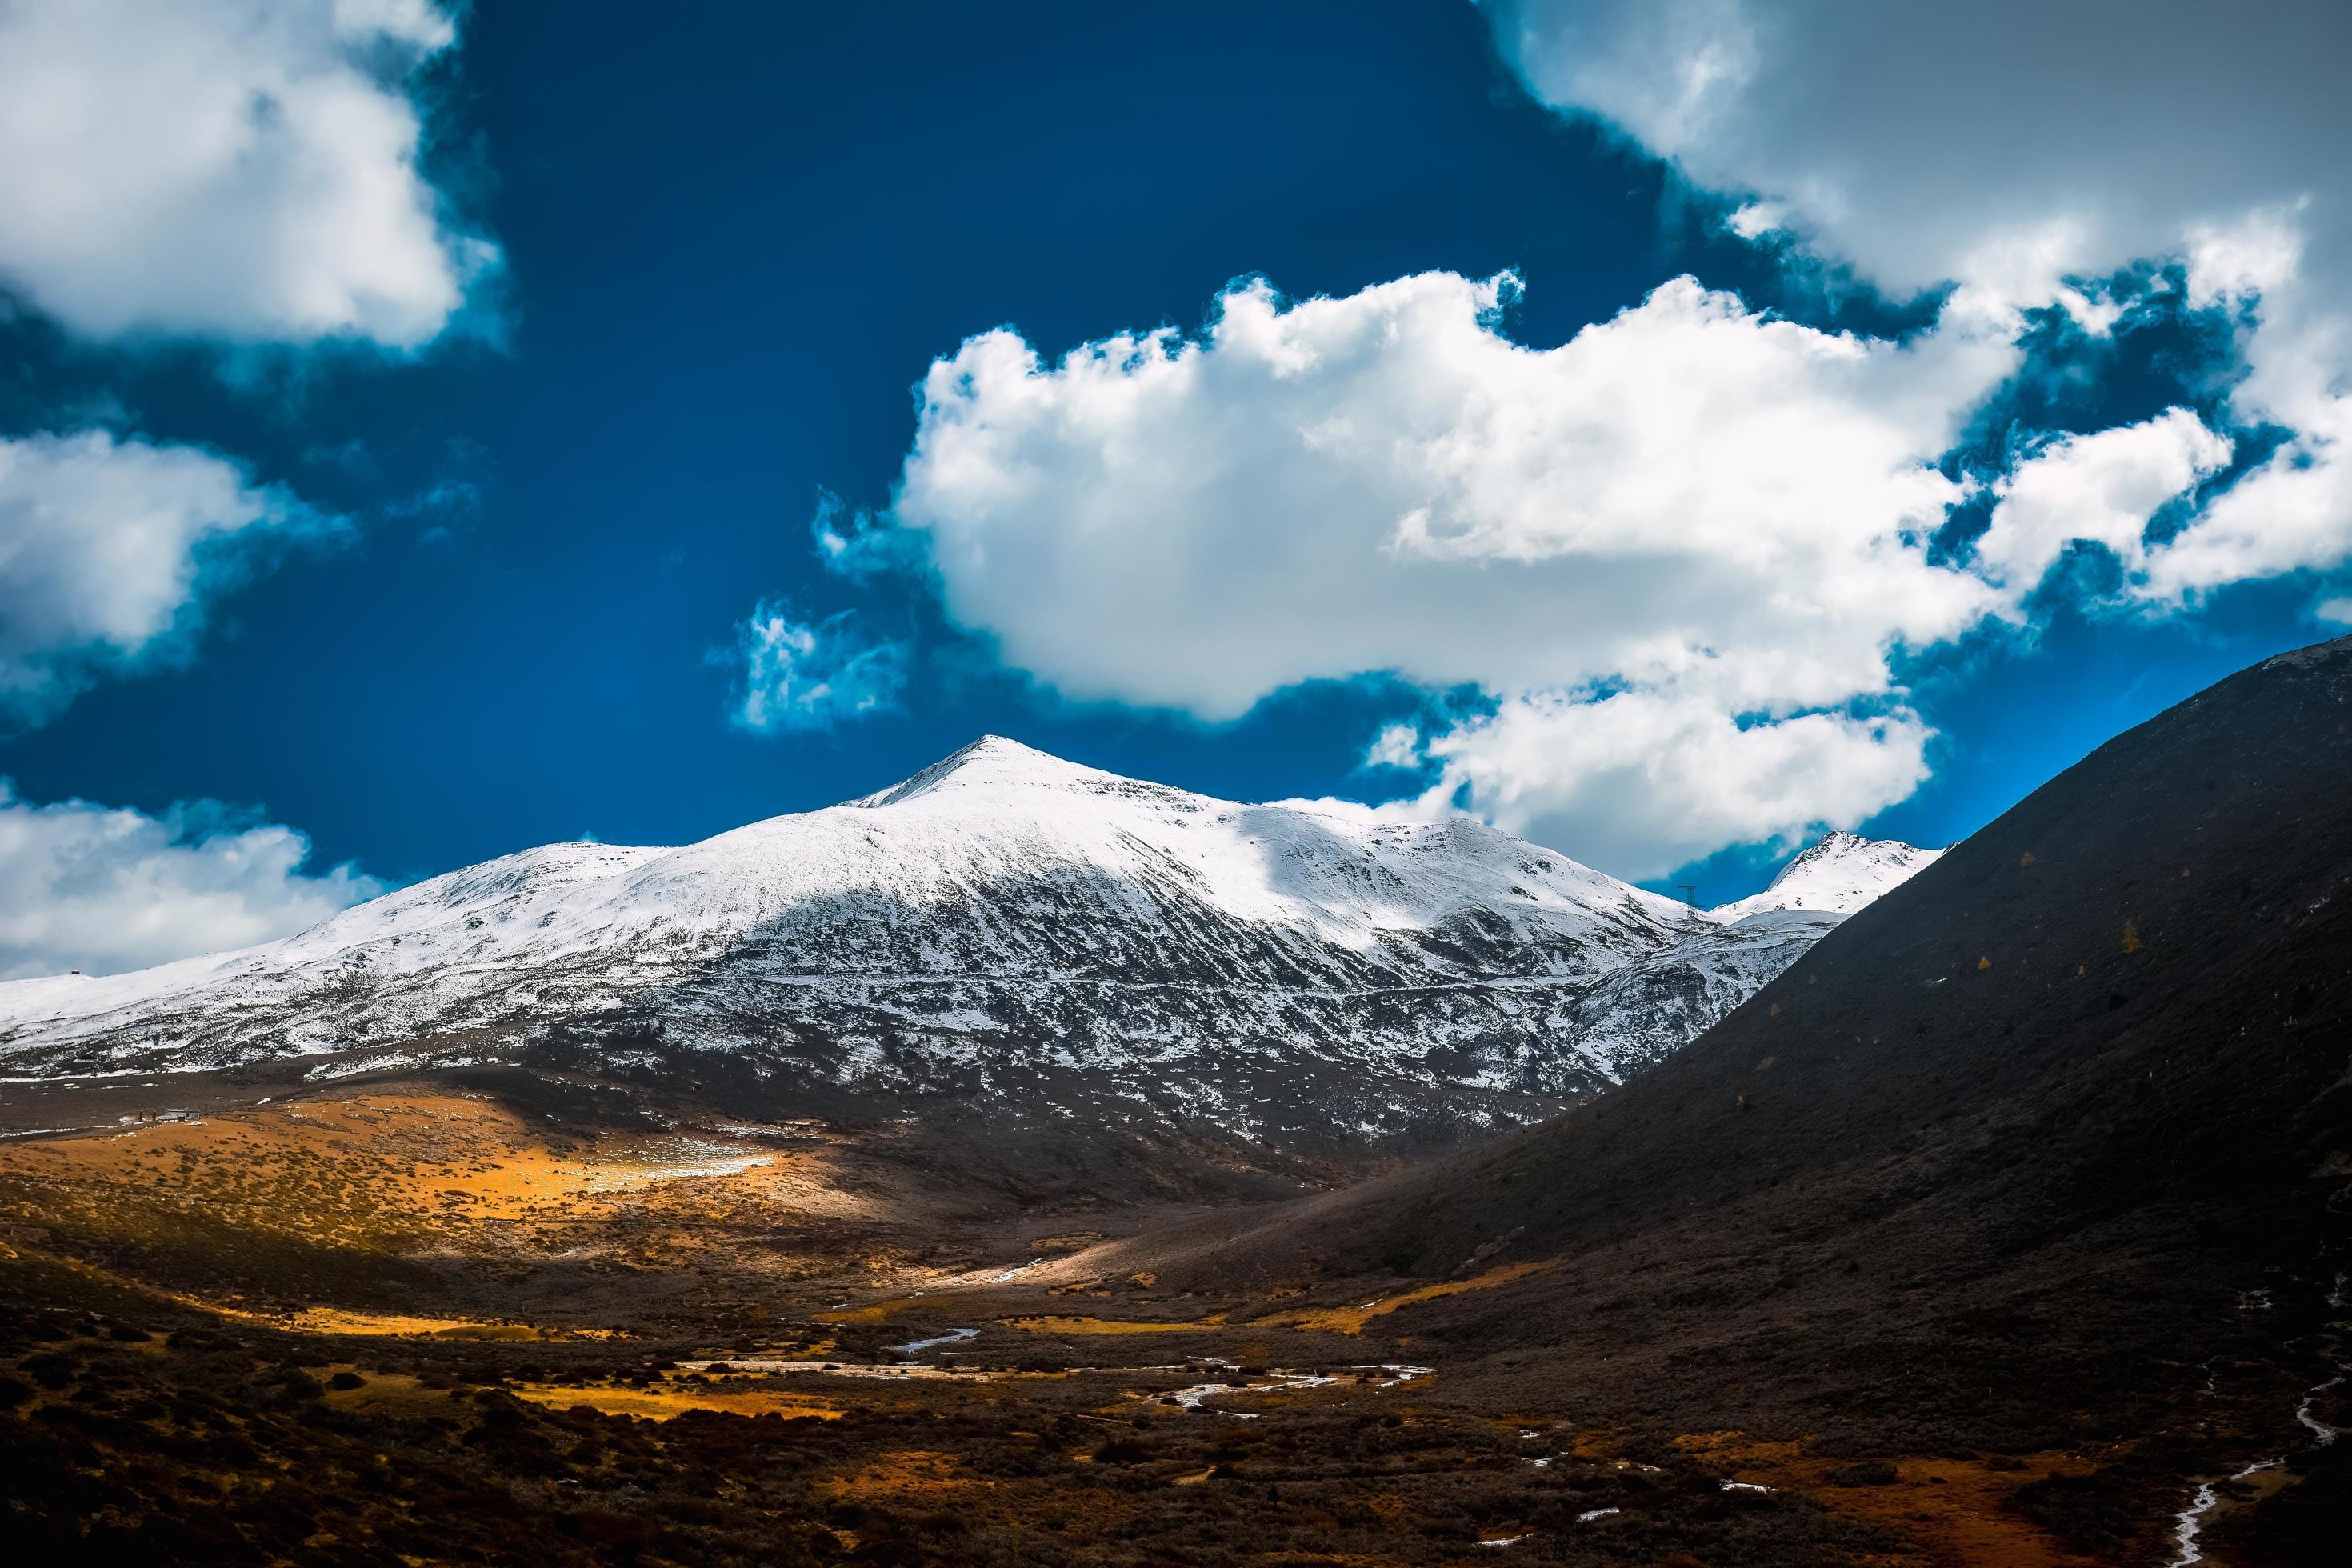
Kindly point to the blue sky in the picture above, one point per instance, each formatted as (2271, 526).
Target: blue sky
(507, 517)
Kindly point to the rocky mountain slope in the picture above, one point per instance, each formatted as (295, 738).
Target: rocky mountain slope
(2049, 1148)
(1003, 927)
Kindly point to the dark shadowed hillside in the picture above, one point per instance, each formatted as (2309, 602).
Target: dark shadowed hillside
(2052, 1142)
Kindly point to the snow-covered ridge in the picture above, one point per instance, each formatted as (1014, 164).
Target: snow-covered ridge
(1837, 876)
(1001, 922)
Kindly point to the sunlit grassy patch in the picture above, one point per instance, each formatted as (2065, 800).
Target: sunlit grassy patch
(907, 1473)
(347, 1321)
(1959, 1508)
(1055, 1325)
(672, 1400)
(363, 1201)
(340, 1321)
(1351, 1319)
(874, 1313)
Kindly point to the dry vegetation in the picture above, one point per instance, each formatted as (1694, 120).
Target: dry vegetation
(1351, 1319)
(417, 1327)
(390, 1212)
(198, 1445)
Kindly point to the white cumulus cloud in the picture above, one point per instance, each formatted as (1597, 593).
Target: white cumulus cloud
(2102, 488)
(241, 169)
(103, 889)
(2009, 142)
(1721, 515)
(1387, 483)
(804, 675)
(2019, 149)
(1643, 781)
(1396, 746)
(109, 550)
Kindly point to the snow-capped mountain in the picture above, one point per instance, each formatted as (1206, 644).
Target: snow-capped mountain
(1836, 876)
(1002, 924)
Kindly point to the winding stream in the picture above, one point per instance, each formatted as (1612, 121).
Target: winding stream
(2190, 1521)
(2322, 1433)
(1190, 1398)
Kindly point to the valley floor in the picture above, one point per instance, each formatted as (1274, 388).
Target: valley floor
(427, 1322)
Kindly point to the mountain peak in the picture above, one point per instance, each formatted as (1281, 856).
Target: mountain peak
(1829, 849)
(991, 761)
(1837, 875)
(1009, 915)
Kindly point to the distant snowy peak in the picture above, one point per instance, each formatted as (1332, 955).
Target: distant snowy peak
(1001, 925)
(1836, 876)
(994, 762)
